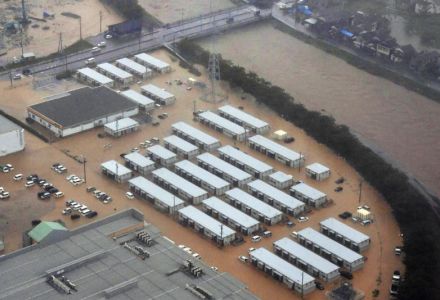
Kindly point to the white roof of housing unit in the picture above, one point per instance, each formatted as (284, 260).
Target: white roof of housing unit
(121, 124)
(206, 221)
(317, 168)
(231, 212)
(275, 147)
(156, 191)
(242, 116)
(179, 182)
(254, 203)
(222, 122)
(345, 230)
(202, 174)
(281, 266)
(114, 70)
(180, 143)
(280, 176)
(329, 245)
(98, 77)
(306, 255)
(152, 60)
(308, 191)
(115, 167)
(157, 91)
(139, 159)
(246, 159)
(223, 166)
(161, 151)
(195, 133)
(137, 97)
(276, 194)
(132, 65)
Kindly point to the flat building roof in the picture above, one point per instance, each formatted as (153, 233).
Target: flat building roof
(114, 70)
(116, 168)
(202, 174)
(345, 230)
(161, 151)
(280, 176)
(96, 76)
(157, 91)
(276, 194)
(195, 133)
(152, 60)
(275, 147)
(243, 116)
(179, 182)
(245, 159)
(180, 143)
(223, 166)
(132, 65)
(308, 191)
(137, 97)
(139, 159)
(7, 125)
(222, 122)
(317, 168)
(254, 203)
(122, 124)
(156, 191)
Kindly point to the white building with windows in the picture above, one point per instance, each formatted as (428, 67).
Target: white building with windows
(145, 103)
(139, 163)
(116, 171)
(94, 78)
(152, 62)
(345, 234)
(134, 68)
(121, 127)
(317, 171)
(222, 125)
(161, 155)
(11, 137)
(280, 180)
(246, 120)
(159, 95)
(181, 147)
(115, 73)
(195, 136)
(308, 194)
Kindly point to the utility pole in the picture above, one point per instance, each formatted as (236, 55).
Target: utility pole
(194, 102)
(299, 165)
(21, 44)
(60, 44)
(302, 285)
(360, 190)
(10, 78)
(100, 21)
(80, 29)
(84, 168)
(221, 234)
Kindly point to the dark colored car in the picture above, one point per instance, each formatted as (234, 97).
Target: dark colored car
(339, 189)
(289, 139)
(340, 180)
(53, 190)
(92, 214)
(319, 285)
(75, 216)
(43, 195)
(345, 215)
(32, 177)
(346, 274)
(290, 224)
(90, 189)
(26, 72)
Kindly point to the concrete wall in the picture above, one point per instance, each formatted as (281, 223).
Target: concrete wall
(11, 142)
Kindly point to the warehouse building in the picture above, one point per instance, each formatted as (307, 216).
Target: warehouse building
(306, 260)
(256, 208)
(144, 103)
(223, 169)
(246, 120)
(158, 95)
(317, 171)
(152, 62)
(115, 73)
(134, 68)
(202, 178)
(195, 136)
(222, 125)
(280, 180)
(139, 163)
(282, 271)
(161, 155)
(308, 194)
(181, 147)
(11, 137)
(94, 78)
(231, 216)
(274, 150)
(330, 250)
(245, 162)
(276, 198)
(116, 171)
(179, 186)
(345, 235)
(82, 109)
(202, 223)
(121, 127)
(156, 195)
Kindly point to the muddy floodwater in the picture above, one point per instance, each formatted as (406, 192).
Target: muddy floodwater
(401, 124)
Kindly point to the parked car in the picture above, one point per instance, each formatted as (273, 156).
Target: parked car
(29, 183)
(398, 250)
(290, 224)
(340, 180)
(67, 211)
(345, 215)
(155, 123)
(59, 194)
(267, 233)
(303, 219)
(129, 195)
(251, 249)
(96, 50)
(294, 234)
(108, 36)
(90, 189)
(18, 177)
(75, 216)
(256, 238)
(366, 222)
(394, 290)
(197, 256)
(339, 189)
(243, 258)
(319, 285)
(289, 139)
(346, 274)
(17, 77)
(4, 195)
(396, 276)
(92, 214)
(101, 44)
(85, 211)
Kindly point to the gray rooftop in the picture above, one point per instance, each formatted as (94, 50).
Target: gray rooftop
(317, 168)
(107, 67)
(244, 117)
(280, 176)
(195, 133)
(345, 230)
(180, 143)
(139, 159)
(245, 159)
(156, 191)
(231, 212)
(254, 203)
(98, 77)
(223, 166)
(161, 152)
(122, 124)
(157, 91)
(179, 182)
(222, 122)
(202, 174)
(152, 60)
(137, 97)
(115, 167)
(275, 194)
(308, 191)
(83, 105)
(6, 125)
(306, 255)
(132, 65)
(275, 147)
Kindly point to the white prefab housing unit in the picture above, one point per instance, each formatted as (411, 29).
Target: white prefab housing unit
(121, 127)
(201, 177)
(95, 78)
(195, 136)
(115, 73)
(282, 271)
(245, 162)
(345, 235)
(275, 197)
(216, 231)
(256, 208)
(11, 137)
(152, 62)
(306, 259)
(222, 125)
(162, 155)
(330, 250)
(144, 102)
(180, 146)
(231, 216)
(308, 194)
(153, 193)
(223, 169)
(116, 171)
(180, 186)
(139, 163)
(280, 180)
(157, 94)
(317, 171)
(274, 150)
(244, 119)
(134, 68)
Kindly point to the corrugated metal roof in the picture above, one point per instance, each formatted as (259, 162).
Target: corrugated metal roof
(308, 191)
(275, 147)
(244, 117)
(222, 122)
(43, 229)
(276, 194)
(223, 166)
(195, 133)
(345, 230)
(254, 203)
(245, 159)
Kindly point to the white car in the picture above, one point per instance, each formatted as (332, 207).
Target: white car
(96, 49)
(59, 194)
(70, 177)
(181, 247)
(129, 195)
(197, 256)
(84, 211)
(243, 258)
(29, 183)
(251, 249)
(256, 238)
(187, 250)
(294, 234)
(108, 36)
(18, 177)
(303, 219)
(4, 195)
(66, 211)
(102, 44)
